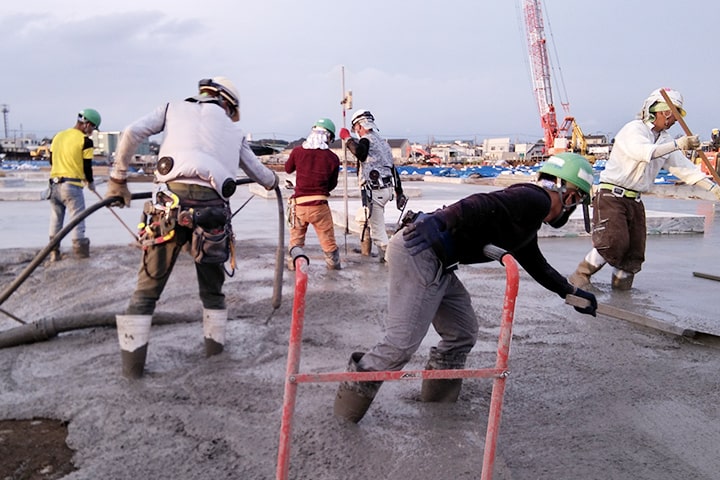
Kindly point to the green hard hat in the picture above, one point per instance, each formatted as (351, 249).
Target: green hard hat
(571, 167)
(327, 124)
(90, 115)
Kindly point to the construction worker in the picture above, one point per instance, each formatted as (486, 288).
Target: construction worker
(424, 289)
(317, 170)
(71, 155)
(642, 147)
(379, 180)
(194, 180)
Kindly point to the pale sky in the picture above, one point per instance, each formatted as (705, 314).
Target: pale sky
(447, 70)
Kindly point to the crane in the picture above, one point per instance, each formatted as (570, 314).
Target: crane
(554, 134)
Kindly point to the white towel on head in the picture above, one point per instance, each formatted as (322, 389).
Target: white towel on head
(317, 139)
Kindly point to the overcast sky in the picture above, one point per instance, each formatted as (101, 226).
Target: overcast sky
(426, 69)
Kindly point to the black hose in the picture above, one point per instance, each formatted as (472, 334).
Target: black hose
(47, 328)
(55, 241)
(279, 252)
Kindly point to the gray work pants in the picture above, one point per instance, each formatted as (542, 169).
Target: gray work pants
(421, 294)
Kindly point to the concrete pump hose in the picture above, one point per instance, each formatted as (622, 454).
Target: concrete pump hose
(47, 328)
(55, 241)
(280, 252)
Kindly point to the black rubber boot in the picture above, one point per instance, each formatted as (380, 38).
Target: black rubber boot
(332, 260)
(81, 247)
(442, 391)
(354, 398)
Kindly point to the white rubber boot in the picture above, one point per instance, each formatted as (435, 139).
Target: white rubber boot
(214, 323)
(592, 262)
(133, 335)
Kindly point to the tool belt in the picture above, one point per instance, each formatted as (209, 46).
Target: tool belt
(620, 191)
(314, 199)
(376, 182)
(55, 180)
(209, 220)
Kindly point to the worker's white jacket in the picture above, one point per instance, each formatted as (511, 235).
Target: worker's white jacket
(631, 164)
(206, 146)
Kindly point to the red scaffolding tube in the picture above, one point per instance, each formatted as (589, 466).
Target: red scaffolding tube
(499, 373)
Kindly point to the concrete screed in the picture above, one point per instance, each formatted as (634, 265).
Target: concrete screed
(587, 397)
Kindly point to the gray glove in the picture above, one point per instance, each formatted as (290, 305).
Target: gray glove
(91, 186)
(275, 183)
(118, 188)
(688, 142)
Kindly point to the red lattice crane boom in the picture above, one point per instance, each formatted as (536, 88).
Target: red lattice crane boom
(540, 72)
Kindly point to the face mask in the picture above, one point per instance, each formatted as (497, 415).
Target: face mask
(562, 219)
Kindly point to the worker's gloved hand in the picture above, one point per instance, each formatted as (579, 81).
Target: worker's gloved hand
(401, 201)
(428, 231)
(688, 142)
(118, 188)
(91, 186)
(715, 190)
(344, 133)
(590, 309)
(275, 183)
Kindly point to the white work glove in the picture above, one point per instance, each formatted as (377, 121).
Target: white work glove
(688, 142)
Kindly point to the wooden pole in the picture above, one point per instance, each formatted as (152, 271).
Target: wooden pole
(685, 128)
(345, 106)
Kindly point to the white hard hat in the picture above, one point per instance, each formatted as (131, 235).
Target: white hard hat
(656, 103)
(226, 89)
(364, 118)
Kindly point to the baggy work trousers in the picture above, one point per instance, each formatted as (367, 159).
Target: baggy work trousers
(421, 293)
(156, 266)
(376, 221)
(320, 217)
(619, 230)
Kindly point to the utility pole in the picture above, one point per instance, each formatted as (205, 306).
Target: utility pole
(5, 111)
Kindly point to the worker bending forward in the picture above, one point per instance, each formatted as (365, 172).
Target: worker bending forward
(424, 289)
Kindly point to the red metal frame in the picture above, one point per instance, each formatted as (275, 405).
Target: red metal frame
(499, 373)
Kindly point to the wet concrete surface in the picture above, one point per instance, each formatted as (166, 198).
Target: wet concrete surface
(590, 398)
(665, 289)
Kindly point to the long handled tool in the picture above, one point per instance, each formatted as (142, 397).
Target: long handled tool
(628, 316)
(687, 131)
(346, 105)
(134, 235)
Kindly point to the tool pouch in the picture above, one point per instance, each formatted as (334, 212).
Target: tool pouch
(291, 212)
(212, 235)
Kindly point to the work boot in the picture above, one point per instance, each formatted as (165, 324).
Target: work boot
(214, 323)
(332, 260)
(55, 256)
(81, 247)
(581, 277)
(366, 245)
(133, 334)
(622, 280)
(442, 390)
(354, 398)
(382, 252)
(290, 263)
